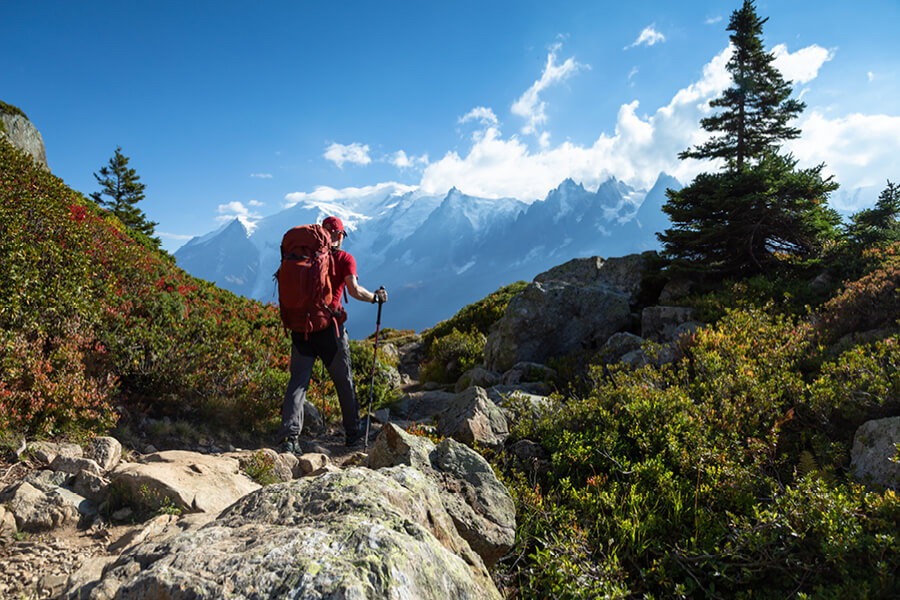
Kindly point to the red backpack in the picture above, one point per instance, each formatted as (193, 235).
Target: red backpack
(304, 279)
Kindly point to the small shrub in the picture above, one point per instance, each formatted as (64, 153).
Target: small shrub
(259, 468)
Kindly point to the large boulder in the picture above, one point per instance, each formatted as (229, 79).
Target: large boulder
(552, 318)
(481, 507)
(354, 534)
(192, 482)
(21, 133)
(874, 448)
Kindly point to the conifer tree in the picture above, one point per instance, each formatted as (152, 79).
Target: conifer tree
(757, 107)
(122, 185)
(879, 224)
(759, 206)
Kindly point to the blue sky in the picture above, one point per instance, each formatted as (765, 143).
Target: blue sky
(237, 109)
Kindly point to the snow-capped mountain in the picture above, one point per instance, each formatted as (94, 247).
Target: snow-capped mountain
(435, 254)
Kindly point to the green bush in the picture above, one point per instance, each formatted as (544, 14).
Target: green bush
(478, 316)
(452, 355)
(714, 476)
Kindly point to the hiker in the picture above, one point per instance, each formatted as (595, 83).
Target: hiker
(331, 344)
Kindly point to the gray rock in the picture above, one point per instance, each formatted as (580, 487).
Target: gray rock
(92, 486)
(420, 407)
(84, 579)
(73, 466)
(311, 462)
(481, 507)
(874, 449)
(555, 318)
(659, 323)
(528, 372)
(106, 452)
(472, 418)
(83, 505)
(478, 376)
(395, 447)
(46, 452)
(37, 511)
(518, 404)
(22, 134)
(354, 534)
(625, 273)
(620, 344)
(193, 482)
(7, 523)
(675, 289)
(46, 480)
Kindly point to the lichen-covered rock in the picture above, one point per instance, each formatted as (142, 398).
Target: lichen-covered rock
(193, 482)
(356, 534)
(35, 510)
(472, 418)
(874, 448)
(481, 507)
(106, 452)
(554, 318)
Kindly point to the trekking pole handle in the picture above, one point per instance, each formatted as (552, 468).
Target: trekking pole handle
(380, 303)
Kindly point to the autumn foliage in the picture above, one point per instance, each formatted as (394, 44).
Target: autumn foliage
(91, 318)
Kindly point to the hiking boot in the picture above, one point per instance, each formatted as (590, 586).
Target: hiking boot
(291, 445)
(355, 438)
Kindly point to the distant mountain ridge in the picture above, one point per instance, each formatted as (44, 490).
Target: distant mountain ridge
(436, 254)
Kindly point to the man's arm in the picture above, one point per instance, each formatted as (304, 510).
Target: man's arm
(361, 293)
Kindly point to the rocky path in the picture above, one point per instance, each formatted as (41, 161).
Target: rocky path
(38, 565)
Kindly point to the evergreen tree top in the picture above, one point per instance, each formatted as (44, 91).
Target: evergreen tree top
(756, 108)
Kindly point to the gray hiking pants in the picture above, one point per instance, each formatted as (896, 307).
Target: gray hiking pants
(333, 347)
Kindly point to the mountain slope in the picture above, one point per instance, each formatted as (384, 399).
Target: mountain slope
(91, 318)
(436, 253)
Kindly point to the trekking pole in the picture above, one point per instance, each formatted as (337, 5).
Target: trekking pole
(372, 382)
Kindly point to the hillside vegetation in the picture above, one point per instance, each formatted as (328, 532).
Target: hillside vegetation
(96, 323)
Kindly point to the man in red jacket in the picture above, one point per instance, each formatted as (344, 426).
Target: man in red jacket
(332, 346)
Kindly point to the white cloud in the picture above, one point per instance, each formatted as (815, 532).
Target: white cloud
(261, 175)
(861, 151)
(324, 193)
(713, 20)
(530, 107)
(256, 203)
(871, 76)
(803, 65)
(402, 161)
(354, 153)
(237, 210)
(483, 115)
(649, 36)
(178, 237)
